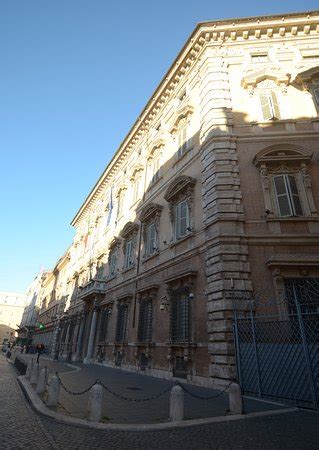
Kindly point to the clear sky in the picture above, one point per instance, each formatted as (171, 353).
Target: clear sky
(74, 76)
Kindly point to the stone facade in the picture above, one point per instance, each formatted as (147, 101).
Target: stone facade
(215, 189)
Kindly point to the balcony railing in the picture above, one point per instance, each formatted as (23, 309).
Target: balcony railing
(92, 288)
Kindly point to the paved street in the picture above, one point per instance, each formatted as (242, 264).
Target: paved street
(136, 386)
(21, 428)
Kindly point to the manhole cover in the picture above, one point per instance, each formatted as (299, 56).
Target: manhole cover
(134, 388)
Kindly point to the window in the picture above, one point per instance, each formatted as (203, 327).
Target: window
(136, 191)
(180, 316)
(259, 57)
(151, 239)
(129, 234)
(145, 321)
(128, 254)
(287, 196)
(180, 197)
(181, 219)
(120, 334)
(316, 95)
(286, 181)
(150, 219)
(269, 105)
(104, 321)
(305, 292)
(182, 141)
(155, 168)
(120, 205)
(112, 263)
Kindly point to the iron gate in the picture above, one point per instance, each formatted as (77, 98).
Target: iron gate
(277, 344)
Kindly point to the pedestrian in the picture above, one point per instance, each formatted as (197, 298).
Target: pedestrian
(39, 350)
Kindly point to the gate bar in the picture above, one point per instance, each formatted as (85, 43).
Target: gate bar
(306, 352)
(255, 350)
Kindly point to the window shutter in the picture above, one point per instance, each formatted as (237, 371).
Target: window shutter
(275, 105)
(183, 218)
(282, 196)
(265, 106)
(294, 195)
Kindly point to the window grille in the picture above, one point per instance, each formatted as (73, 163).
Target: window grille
(180, 316)
(287, 196)
(269, 106)
(181, 219)
(151, 239)
(305, 291)
(145, 321)
(104, 325)
(120, 334)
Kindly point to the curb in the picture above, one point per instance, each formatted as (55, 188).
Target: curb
(40, 408)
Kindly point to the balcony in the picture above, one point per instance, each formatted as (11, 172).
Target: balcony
(92, 289)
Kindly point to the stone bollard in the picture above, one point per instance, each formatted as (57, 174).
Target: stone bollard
(53, 391)
(235, 399)
(34, 374)
(29, 369)
(95, 403)
(41, 386)
(176, 407)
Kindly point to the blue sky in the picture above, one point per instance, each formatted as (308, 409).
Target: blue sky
(74, 76)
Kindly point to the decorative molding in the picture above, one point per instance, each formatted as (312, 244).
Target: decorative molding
(149, 211)
(180, 115)
(129, 229)
(252, 78)
(282, 154)
(205, 34)
(293, 260)
(179, 185)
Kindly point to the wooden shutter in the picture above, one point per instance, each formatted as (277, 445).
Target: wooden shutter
(265, 106)
(282, 196)
(294, 195)
(275, 106)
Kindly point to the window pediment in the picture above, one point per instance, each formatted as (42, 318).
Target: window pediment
(156, 145)
(252, 78)
(149, 211)
(115, 243)
(178, 186)
(181, 115)
(309, 75)
(284, 155)
(137, 169)
(121, 189)
(130, 229)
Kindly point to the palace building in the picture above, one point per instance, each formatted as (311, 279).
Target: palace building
(214, 190)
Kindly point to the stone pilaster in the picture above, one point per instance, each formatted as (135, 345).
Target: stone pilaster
(226, 258)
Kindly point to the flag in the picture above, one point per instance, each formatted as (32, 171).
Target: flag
(110, 205)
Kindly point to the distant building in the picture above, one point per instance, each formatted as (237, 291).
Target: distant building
(12, 306)
(31, 311)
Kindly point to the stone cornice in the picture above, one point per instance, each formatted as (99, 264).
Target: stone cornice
(205, 33)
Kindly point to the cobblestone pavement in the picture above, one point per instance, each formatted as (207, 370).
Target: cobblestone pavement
(21, 428)
(136, 386)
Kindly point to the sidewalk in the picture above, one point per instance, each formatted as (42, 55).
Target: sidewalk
(77, 377)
